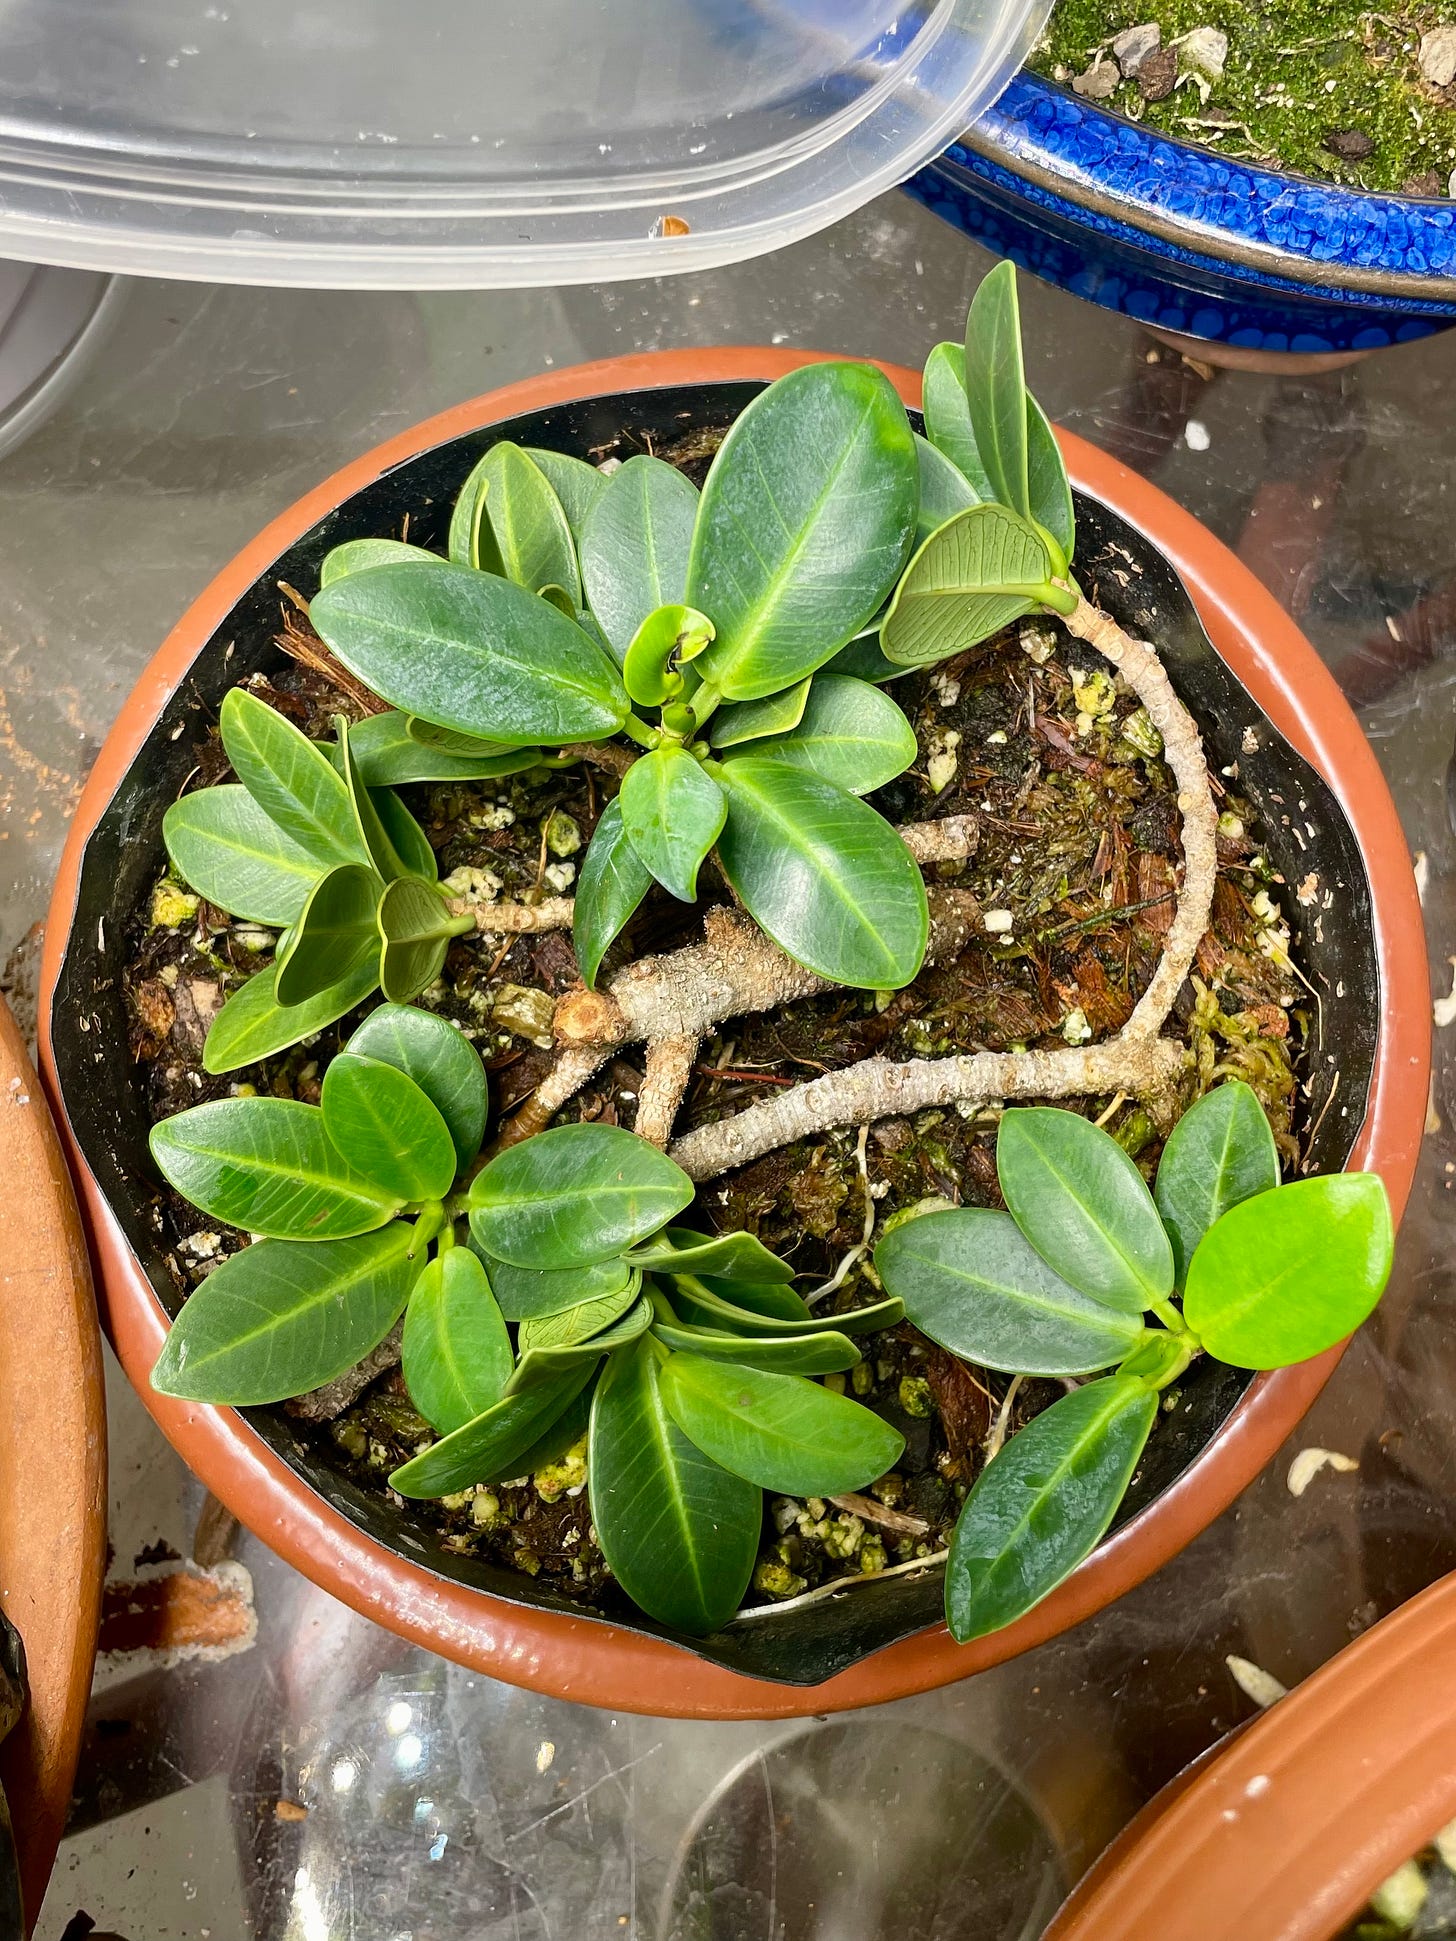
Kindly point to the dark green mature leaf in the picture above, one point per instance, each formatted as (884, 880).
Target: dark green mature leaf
(747, 721)
(672, 811)
(827, 878)
(1048, 486)
(1043, 1503)
(747, 1307)
(826, 1353)
(1084, 1206)
(386, 754)
(294, 783)
(574, 1195)
(387, 1128)
(533, 1293)
(578, 1323)
(335, 936)
(1289, 1273)
(456, 1353)
(735, 1256)
(253, 1025)
(416, 928)
(439, 1058)
(531, 539)
(1220, 1152)
(948, 416)
(978, 572)
(279, 1319)
(612, 883)
(472, 652)
(849, 733)
(490, 1449)
(680, 1533)
(449, 741)
(996, 386)
(807, 516)
(358, 555)
(406, 838)
(971, 1281)
(782, 1432)
(634, 547)
(223, 844)
(266, 1165)
(576, 484)
(552, 1444)
(544, 1362)
(862, 660)
(375, 842)
(944, 490)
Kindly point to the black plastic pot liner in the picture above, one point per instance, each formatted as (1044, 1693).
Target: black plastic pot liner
(1304, 827)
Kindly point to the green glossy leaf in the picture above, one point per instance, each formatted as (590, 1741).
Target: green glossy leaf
(681, 1534)
(996, 386)
(668, 636)
(449, 741)
(386, 754)
(948, 416)
(467, 516)
(574, 1195)
(416, 929)
(1159, 1357)
(335, 936)
(226, 848)
(672, 811)
(440, 1059)
(971, 578)
(456, 1353)
(279, 1319)
(546, 1362)
(294, 783)
(862, 660)
(748, 721)
(1043, 1503)
(972, 1282)
(373, 838)
(1289, 1273)
(1084, 1206)
(387, 1128)
(827, 878)
(490, 1449)
(533, 1293)
(576, 484)
(471, 652)
(569, 1428)
(782, 1432)
(850, 734)
(1220, 1152)
(1048, 486)
(253, 1025)
(808, 514)
(612, 883)
(944, 490)
(358, 555)
(634, 547)
(406, 838)
(758, 1309)
(734, 1256)
(267, 1166)
(826, 1353)
(578, 1323)
(532, 542)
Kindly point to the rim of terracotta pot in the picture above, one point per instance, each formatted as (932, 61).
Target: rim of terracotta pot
(586, 1660)
(1286, 1829)
(53, 1460)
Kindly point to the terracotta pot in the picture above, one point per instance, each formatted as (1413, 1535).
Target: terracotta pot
(254, 1466)
(1284, 1830)
(52, 1459)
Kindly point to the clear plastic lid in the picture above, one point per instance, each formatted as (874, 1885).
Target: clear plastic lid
(465, 143)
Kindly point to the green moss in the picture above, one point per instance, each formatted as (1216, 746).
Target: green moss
(1297, 72)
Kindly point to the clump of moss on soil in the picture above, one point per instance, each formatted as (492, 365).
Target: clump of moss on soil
(1302, 77)
(1076, 865)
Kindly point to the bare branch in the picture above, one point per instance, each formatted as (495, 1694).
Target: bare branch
(669, 1067)
(565, 1079)
(515, 919)
(950, 840)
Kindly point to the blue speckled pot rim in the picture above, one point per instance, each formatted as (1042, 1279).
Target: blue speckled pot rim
(1378, 234)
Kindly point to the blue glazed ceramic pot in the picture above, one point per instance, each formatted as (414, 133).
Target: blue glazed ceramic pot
(1189, 241)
